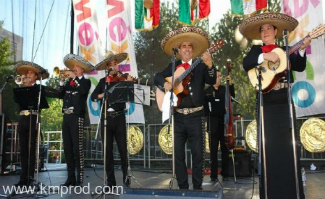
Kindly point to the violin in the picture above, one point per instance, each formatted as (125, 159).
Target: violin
(229, 130)
(119, 77)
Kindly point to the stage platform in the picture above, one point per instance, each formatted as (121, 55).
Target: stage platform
(154, 183)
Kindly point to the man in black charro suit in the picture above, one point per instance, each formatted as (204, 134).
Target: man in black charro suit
(189, 115)
(74, 93)
(115, 118)
(27, 131)
(215, 110)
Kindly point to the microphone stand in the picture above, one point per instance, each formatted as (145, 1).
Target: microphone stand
(261, 136)
(38, 128)
(291, 114)
(104, 104)
(171, 117)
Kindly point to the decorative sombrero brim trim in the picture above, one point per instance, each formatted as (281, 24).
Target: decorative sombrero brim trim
(199, 39)
(24, 66)
(70, 60)
(118, 57)
(250, 27)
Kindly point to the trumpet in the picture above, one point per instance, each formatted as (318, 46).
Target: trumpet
(22, 80)
(66, 73)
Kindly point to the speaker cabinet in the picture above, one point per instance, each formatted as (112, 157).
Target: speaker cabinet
(169, 194)
(242, 163)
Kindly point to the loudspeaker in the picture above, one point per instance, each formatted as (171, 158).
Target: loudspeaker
(169, 194)
(242, 162)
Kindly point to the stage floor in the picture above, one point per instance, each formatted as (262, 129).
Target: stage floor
(143, 179)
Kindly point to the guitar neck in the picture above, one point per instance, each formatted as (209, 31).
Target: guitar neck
(297, 45)
(187, 71)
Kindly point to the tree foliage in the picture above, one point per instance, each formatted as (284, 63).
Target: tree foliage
(9, 108)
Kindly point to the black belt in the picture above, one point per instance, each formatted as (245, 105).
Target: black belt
(115, 113)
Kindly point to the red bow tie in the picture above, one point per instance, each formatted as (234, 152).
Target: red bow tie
(268, 48)
(185, 65)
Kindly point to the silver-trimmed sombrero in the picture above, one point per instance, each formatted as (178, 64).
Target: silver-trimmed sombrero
(70, 60)
(109, 57)
(24, 66)
(250, 27)
(198, 37)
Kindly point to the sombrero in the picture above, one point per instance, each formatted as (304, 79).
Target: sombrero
(250, 27)
(24, 66)
(109, 57)
(70, 60)
(198, 37)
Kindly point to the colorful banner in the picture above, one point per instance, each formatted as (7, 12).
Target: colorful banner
(119, 39)
(246, 7)
(89, 46)
(308, 90)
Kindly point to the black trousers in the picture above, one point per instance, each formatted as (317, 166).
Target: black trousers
(116, 129)
(26, 127)
(72, 133)
(189, 128)
(216, 133)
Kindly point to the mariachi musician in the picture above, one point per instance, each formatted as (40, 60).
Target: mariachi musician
(115, 116)
(74, 93)
(214, 108)
(29, 72)
(280, 175)
(189, 115)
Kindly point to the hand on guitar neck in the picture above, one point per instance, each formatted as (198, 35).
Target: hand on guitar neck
(306, 42)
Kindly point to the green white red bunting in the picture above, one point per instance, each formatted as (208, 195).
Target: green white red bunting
(147, 18)
(246, 7)
(191, 11)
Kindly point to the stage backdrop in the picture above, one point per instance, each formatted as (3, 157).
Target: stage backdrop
(118, 38)
(308, 90)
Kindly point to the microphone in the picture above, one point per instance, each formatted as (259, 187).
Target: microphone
(110, 69)
(175, 50)
(261, 68)
(285, 32)
(10, 77)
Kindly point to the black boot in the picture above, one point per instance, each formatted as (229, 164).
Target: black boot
(68, 183)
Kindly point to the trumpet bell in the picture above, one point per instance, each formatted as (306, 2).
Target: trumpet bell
(18, 80)
(65, 73)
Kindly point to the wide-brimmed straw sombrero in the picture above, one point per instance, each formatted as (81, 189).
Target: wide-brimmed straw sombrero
(199, 39)
(24, 66)
(109, 57)
(70, 60)
(250, 27)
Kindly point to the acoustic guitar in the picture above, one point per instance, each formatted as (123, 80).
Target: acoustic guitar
(272, 72)
(179, 77)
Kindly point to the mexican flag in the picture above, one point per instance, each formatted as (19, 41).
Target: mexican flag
(191, 11)
(246, 7)
(147, 13)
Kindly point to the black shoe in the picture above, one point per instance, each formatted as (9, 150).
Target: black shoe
(68, 183)
(21, 183)
(79, 184)
(197, 187)
(183, 187)
(127, 182)
(213, 179)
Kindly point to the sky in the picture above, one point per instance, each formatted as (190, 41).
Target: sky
(48, 44)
